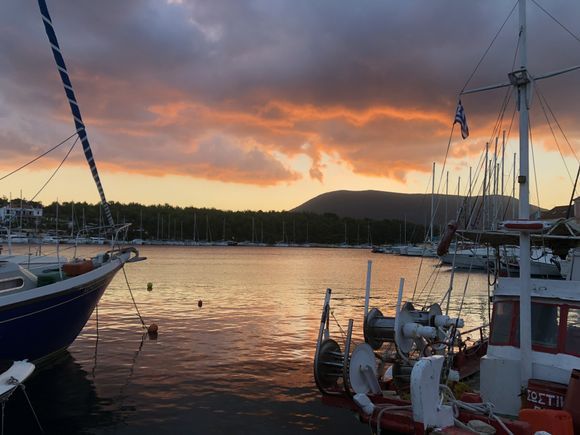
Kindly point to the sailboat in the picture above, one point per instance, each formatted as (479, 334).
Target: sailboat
(43, 312)
(530, 368)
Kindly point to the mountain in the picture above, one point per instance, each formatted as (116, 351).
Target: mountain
(414, 207)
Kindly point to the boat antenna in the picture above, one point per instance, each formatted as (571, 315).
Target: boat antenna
(74, 107)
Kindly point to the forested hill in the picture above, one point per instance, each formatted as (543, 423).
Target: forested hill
(416, 208)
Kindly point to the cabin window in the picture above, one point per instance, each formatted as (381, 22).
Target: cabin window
(545, 322)
(11, 284)
(572, 343)
(503, 313)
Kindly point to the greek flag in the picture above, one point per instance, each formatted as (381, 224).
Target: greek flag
(462, 120)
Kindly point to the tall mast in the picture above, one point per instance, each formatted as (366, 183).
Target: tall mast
(74, 107)
(514, 189)
(484, 185)
(446, 195)
(432, 204)
(502, 164)
(522, 84)
(493, 188)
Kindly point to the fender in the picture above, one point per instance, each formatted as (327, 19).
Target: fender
(443, 246)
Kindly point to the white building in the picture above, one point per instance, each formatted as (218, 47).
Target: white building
(7, 212)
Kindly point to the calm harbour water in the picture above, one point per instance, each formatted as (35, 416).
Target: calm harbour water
(240, 364)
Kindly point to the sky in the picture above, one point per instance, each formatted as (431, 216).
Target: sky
(264, 104)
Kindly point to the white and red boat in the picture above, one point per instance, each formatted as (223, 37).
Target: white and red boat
(401, 379)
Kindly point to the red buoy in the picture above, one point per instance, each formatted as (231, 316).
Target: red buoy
(199, 303)
(153, 328)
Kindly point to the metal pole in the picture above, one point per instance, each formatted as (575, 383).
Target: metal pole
(502, 164)
(446, 195)
(432, 204)
(524, 212)
(484, 186)
(368, 288)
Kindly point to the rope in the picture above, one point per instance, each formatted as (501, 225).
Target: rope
(31, 407)
(39, 157)
(339, 327)
(485, 408)
(56, 170)
(133, 298)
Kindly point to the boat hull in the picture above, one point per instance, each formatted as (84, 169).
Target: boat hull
(37, 327)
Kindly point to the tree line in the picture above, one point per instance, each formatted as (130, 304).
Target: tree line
(167, 222)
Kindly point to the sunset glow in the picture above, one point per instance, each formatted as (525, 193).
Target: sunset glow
(265, 105)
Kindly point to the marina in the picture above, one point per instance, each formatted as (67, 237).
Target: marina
(242, 363)
(351, 312)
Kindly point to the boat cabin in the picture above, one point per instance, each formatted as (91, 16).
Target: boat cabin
(555, 328)
(14, 278)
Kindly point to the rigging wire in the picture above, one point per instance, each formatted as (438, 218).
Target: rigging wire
(554, 135)
(488, 48)
(556, 20)
(40, 156)
(56, 170)
(534, 165)
(556, 121)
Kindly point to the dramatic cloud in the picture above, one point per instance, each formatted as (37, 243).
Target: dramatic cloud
(233, 91)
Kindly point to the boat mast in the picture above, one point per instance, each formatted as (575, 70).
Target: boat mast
(432, 204)
(521, 82)
(74, 107)
(483, 204)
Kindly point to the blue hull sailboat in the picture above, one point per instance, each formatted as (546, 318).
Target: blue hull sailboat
(43, 312)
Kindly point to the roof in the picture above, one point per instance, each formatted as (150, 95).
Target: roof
(561, 237)
(558, 212)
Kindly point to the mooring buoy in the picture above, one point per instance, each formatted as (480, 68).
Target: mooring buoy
(199, 303)
(149, 286)
(153, 328)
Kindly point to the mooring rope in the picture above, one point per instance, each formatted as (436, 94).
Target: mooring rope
(133, 298)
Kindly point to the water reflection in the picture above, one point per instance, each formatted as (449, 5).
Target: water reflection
(241, 363)
(64, 398)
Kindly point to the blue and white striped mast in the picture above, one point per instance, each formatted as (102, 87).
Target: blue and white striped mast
(74, 107)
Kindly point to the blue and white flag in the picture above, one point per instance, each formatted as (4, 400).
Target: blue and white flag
(462, 120)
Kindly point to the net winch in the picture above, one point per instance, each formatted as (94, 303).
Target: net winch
(414, 332)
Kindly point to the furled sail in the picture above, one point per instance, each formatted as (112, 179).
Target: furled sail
(74, 107)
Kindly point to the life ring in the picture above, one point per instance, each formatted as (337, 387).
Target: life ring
(445, 242)
(524, 225)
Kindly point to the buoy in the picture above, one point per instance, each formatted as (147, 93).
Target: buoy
(153, 328)
(149, 286)
(199, 303)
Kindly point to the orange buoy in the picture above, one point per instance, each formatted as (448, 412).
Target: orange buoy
(77, 267)
(199, 303)
(153, 328)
